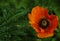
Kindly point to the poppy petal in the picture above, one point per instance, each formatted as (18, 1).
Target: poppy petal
(38, 12)
(45, 35)
(54, 23)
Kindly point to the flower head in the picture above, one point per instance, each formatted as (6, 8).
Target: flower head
(43, 23)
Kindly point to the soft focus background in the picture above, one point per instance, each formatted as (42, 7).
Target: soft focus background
(14, 23)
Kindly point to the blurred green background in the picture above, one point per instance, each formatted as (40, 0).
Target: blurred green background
(14, 23)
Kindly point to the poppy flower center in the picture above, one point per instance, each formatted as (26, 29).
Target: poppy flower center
(43, 23)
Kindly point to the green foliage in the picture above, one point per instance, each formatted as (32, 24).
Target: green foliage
(14, 23)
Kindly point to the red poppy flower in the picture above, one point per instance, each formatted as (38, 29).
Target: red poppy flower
(43, 23)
